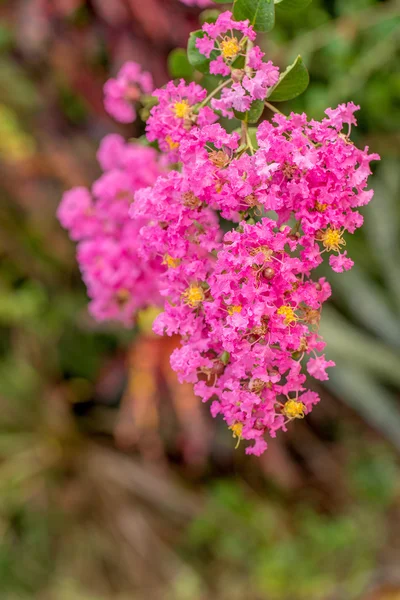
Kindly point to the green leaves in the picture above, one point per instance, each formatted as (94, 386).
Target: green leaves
(289, 5)
(261, 13)
(196, 59)
(252, 115)
(178, 64)
(292, 82)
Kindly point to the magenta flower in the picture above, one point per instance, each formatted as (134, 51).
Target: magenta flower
(123, 93)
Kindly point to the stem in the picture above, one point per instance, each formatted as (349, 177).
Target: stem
(248, 69)
(243, 127)
(213, 93)
(274, 109)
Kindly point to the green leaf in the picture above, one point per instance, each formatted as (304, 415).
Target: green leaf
(292, 82)
(178, 64)
(290, 5)
(220, 1)
(261, 13)
(252, 115)
(197, 60)
(252, 131)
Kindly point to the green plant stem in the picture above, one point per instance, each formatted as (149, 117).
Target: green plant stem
(243, 128)
(274, 109)
(213, 93)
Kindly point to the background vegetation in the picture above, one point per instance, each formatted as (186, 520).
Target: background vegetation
(114, 482)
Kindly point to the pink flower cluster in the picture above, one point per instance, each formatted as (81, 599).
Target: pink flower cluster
(246, 306)
(226, 43)
(228, 236)
(118, 282)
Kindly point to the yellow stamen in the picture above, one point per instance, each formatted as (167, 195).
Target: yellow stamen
(320, 207)
(230, 47)
(264, 250)
(237, 429)
(234, 308)
(182, 109)
(288, 313)
(219, 158)
(294, 409)
(190, 200)
(311, 316)
(332, 239)
(172, 145)
(171, 262)
(194, 296)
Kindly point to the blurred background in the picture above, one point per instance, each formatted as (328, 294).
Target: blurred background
(115, 482)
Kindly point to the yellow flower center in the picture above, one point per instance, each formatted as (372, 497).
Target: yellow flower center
(332, 239)
(264, 250)
(288, 313)
(320, 207)
(230, 47)
(294, 409)
(237, 429)
(172, 145)
(182, 109)
(234, 308)
(194, 296)
(219, 158)
(171, 262)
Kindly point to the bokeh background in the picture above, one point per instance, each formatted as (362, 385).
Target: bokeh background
(114, 481)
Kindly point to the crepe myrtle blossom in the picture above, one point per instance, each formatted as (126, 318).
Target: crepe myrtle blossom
(122, 94)
(178, 110)
(118, 283)
(225, 42)
(256, 323)
(222, 234)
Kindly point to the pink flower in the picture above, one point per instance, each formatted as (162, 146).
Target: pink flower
(340, 263)
(317, 367)
(122, 93)
(172, 118)
(76, 213)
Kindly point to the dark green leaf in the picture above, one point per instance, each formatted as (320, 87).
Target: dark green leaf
(197, 60)
(252, 115)
(252, 131)
(178, 64)
(261, 13)
(292, 82)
